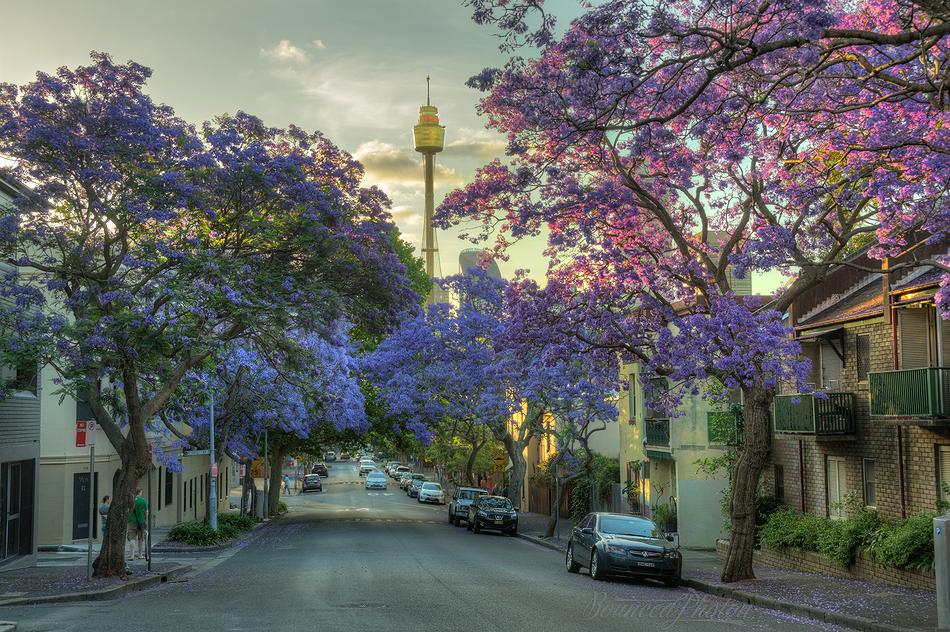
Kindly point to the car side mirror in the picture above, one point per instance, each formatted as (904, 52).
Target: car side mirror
(587, 531)
(669, 537)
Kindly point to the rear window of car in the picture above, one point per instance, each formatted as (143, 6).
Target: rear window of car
(311, 478)
(434, 486)
(418, 477)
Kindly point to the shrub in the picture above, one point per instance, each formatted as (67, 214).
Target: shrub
(243, 523)
(777, 531)
(908, 544)
(194, 533)
(281, 507)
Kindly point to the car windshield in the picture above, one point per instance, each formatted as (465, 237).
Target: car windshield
(495, 503)
(619, 525)
(376, 475)
(432, 486)
(471, 494)
(417, 477)
(311, 479)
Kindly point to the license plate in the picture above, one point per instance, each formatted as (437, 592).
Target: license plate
(646, 564)
(498, 521)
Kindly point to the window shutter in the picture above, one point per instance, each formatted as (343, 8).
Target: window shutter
(914, 343)
(943, 465)
(830, 367)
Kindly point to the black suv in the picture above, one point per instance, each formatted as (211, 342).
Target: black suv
(462, 499)
(321, 469)
(493, 512)
(311, 483)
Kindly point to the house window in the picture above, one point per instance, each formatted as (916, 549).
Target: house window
(863, 357)
(632, 399)
(870, 483)
(657, 385)
(169, 486)
(25, 378)
(780, 482)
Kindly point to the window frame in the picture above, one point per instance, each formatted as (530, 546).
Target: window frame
(865, 482)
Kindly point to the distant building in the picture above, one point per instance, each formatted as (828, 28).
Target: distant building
(468, 259)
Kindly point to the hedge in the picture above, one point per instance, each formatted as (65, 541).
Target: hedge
(201, 533)
(903, 544)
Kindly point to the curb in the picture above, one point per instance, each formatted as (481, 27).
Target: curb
(545, 543)
(158, 548)
(812, 612)
(133, 585)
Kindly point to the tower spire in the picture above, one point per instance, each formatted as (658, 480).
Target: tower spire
(427, 90)
(429, 139)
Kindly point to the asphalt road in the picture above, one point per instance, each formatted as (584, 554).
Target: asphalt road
(349, 559)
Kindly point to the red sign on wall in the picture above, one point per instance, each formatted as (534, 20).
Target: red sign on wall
(85, 433)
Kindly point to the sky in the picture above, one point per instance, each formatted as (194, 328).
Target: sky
(353, 69)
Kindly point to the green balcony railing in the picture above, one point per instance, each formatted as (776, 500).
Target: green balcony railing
(911, 393)
(832, 414)
(658, 432)
(724, 427)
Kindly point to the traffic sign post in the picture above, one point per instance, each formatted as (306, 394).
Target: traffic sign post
(86, 437)
(499, 461)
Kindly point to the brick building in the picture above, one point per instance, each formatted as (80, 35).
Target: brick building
(881, 437)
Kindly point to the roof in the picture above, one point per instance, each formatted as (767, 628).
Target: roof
(931, 276)
(864, 303)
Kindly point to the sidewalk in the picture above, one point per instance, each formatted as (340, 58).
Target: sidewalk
(856, 604)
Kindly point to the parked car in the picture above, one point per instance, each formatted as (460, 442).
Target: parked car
(344, 456)
(462, 499)
(329, 456)
(492, 512)
(415, 484)
(366, 467)
(618, 544)
(404, 479)
(431, 493)
(391, 466)
(399, 470)
(321, 469)
(375, 480)
(311, 483)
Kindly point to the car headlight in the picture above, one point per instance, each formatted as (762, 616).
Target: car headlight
(613, 548)
(672, 555)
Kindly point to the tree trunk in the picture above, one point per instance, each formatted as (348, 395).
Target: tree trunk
(753, 457)
(134, 458)
(518, 466)
(276, 473)
(470, 463)
(555, 509)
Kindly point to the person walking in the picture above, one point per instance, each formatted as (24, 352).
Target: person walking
(286, 484)
(138, 519)
(104, 507)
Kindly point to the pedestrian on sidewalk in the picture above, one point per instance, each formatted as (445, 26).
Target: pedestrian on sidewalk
(286, 484)
(138, 519)
(104, 513)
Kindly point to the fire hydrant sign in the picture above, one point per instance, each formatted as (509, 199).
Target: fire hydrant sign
(85, 433)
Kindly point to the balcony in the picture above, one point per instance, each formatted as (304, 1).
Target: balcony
(911, 393)
(814, 415)
(658, 432)
(724, 427)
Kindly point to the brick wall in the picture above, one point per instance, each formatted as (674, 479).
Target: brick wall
(873, 439)
(862, 569)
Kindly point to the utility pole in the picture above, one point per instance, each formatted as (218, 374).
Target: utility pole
(266, 475)
(213, 492)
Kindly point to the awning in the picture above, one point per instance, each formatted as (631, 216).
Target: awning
(819, 332)
(659, 456)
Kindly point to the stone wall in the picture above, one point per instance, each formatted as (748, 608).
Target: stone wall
(862, 569)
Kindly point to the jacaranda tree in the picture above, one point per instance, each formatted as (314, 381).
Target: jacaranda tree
(146, 245)
(668, 147)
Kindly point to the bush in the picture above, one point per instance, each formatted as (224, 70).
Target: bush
(908, 544)
(194, 533)
(227, 530)
(243, 523)
(281, 507)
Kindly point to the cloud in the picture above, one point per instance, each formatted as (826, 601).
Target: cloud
(480, 145)
(285, 51)
(387, 164)
(318, 43)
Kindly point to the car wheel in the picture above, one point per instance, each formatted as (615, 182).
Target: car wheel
(418, 500)
(450, 517)
(572, 566)
(475, 528)
(468, 525)
(456, 521)
(596, 570)
(513, 532)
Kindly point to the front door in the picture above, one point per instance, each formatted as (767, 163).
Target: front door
(837, 488)
(82, 497)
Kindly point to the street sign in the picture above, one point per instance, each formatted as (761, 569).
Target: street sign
(499, 461)
(85, 433)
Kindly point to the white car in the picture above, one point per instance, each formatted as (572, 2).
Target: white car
(366, 467)
(399, 470)
(375, 480)
(431, 493)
